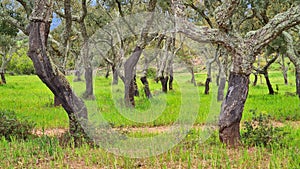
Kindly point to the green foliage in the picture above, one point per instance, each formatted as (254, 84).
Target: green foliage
(260, 132)
(21, 64)
(13, 128)
(151, 73)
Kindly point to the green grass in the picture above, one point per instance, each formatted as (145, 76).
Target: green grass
(30, 98)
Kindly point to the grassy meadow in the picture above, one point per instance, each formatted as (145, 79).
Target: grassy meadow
(30, 99)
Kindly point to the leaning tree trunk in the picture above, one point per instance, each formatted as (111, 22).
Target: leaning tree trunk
(270, 88)
(232, 109)
(129, 77)
(49, 74)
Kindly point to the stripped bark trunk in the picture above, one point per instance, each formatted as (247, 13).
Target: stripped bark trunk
(3, 80)
(232, 108)
(193, 80)
(129, 77)
(164, 83)
(40, 21)
(146, 87)
(270, 88)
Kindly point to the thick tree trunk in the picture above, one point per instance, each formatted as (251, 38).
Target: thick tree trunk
(50, 75)
(270, 88)
(56, 101)
(146, 87)
(221, 88)
(129, 78)
(3, 80)
(232, 109)
(208, 80)
(164, 83)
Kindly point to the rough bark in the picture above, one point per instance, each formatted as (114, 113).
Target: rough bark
(39, 29)
(232, 108)
(294, 58)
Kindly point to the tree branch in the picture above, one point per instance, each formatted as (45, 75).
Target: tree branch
(275, 26)
(224, 12)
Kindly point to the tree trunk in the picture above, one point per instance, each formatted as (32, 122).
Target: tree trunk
(171, 82)
(284, 71)
(107, 71)
(298, 81)
(207, 85)
(115, 76)
(56, 101)
(164, 83)
(89, 89)
(255, 79)
(193, 80)
(55, 80)
(232, 109)
(135, 87)
(221, 88)
(146, 87)
(129, 78)
(270, 88)
(3, 80)
(78, 76)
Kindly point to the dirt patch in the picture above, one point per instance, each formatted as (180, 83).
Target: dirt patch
(50, 132)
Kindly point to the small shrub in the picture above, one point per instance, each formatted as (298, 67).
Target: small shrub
(12, 128)
(260, 132)
(151, 73)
